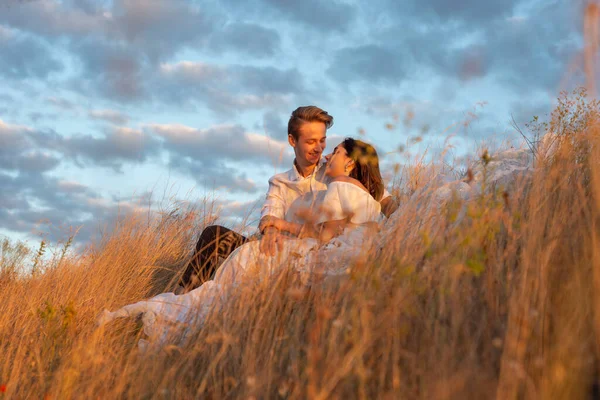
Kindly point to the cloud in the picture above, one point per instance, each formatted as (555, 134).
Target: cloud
(533, 51)
(246, 38)
(124, 50)
(116, 43)
(36, 203)
(71, 187)
(112, 116)
(213, 175)
(20, 150)
(221, 142)
(467, 11)
(36, 116)
(51, 18)
(32, 201)
(117, 146)
(24, 57)
(36, 162)
(13, 136)
(254, 79)
(273, 125)
(26, 149)
(462, 43)
(203, 154)
(369, 63)
(235, 212)
(157, 28)
(6, 98)
(119, 73)
(325, 16)
(60, 103)
(161, 27)
(407, 117)
(523, 110)
(112, 69)
(227, 89)
(220, 157)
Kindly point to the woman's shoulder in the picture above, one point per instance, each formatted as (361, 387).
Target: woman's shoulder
(353, 182)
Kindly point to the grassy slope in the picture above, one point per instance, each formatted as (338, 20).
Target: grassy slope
(503, 302)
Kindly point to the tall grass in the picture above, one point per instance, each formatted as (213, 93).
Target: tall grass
(495, 298)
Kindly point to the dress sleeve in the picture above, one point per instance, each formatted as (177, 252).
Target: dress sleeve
(275, 201)
(331, 208)
(359, 206)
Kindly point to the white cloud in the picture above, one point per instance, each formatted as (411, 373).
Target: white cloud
(195, 71)
(222, 142)
(71, 186)
(229, 88)
(113, 116)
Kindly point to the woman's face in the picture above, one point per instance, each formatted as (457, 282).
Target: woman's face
(337, 161)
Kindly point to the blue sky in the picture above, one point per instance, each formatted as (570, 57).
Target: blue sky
(104, 102)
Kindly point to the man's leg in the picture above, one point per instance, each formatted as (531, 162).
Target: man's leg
(214, 242)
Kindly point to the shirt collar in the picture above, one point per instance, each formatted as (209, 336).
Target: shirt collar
(294, 175)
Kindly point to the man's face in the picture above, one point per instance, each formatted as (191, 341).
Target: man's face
(310, 144)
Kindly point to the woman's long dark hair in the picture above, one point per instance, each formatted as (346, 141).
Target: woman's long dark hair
(366, 166)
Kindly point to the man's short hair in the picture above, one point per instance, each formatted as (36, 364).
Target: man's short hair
(307, 114)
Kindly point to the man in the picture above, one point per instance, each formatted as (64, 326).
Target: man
(289, 194)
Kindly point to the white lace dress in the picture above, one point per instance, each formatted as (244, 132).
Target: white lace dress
(167, 312)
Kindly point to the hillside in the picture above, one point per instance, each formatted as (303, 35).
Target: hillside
(478, 287)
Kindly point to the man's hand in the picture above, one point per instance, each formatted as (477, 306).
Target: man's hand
(269, 221)
(271, 242)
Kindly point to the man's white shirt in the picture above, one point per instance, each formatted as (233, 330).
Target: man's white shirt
(291, 193)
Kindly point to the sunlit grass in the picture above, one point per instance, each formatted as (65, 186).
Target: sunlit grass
(501, 300)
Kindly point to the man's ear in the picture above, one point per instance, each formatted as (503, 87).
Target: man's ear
(291, 140)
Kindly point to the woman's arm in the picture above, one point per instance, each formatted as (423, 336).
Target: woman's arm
(388, 206)
(330, 229)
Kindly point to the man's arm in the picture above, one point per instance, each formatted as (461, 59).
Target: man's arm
(273, 210)
(272, 218)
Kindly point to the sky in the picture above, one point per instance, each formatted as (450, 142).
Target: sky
(109, 107)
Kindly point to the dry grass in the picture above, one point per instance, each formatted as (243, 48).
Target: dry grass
(501, 302)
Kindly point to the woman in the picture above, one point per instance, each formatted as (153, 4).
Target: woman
(349, 211)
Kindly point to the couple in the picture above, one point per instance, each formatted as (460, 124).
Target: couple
(313, 214)
(291, 192)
